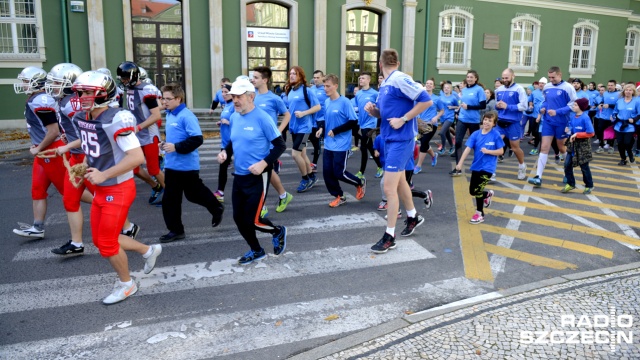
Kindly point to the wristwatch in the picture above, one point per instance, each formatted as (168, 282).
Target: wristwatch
(404, 118)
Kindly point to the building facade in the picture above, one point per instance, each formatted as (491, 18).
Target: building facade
(197, 42)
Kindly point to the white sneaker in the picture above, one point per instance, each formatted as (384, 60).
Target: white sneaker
(522, 172)
(596, 141)
(29, 231)
(150, 262)
(493, 178)
(606, 146)
(120, 292)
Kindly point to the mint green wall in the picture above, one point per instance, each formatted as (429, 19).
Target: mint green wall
(200, 54)
(334, 34)
(231, 38)
(114, 46)
(78, 38)
(418, 52)
(306, 36)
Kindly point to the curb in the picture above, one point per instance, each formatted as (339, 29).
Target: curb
(374, 332)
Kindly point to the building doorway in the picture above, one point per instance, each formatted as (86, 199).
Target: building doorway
(363, 47)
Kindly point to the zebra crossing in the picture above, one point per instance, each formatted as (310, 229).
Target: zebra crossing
(199, 303)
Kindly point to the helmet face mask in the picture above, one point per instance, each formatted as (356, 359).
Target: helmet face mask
(93, 90)
(128, 74)
(60, 79)
(31, 79)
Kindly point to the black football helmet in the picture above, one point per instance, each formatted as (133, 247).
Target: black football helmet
(128, 74)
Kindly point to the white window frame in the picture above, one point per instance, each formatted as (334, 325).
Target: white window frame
(593, 47)
(447, 67)
(635, 50)
(18, 60)
(518, 68)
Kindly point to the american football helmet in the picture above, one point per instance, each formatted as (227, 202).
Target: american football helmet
(61, 78)
(104, 71)
(93, 90)
(32, 79)
(128, 73)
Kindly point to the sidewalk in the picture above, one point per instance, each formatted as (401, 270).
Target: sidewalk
(591, 315)
(11, 140)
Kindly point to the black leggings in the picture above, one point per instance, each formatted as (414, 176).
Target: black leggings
(315, 141)
(625, 145)
(479, 179)
(426, 139)
(461, 130)
(222, 174)
(366, 145)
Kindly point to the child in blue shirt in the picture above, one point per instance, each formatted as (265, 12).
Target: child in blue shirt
(581, 131)
(487, 145)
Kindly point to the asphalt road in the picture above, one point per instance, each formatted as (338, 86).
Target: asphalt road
(198, 303)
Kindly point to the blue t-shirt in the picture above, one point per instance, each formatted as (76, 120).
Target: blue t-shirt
(471, 96)
(220, 98)
(366, 121)
(592, 97)
(625, 111)
(559, 97)
(338, 112)
(432, 110)
(537, 98)
(225, 129)
(446, 101)
(321, 95)
(396, 98)
(490, 141)
(581, 123)
(272, 104)
(251, 136)
(516, 98)
(610, 98)
(296, 102)
(181, 124)
(378, 144)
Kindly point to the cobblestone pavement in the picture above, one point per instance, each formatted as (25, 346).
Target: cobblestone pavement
(505, 328)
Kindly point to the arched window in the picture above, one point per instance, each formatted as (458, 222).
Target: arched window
(525, 42)
(267, 15)
(363, 46)
(454, 39)
(632, 48)
(583, 48)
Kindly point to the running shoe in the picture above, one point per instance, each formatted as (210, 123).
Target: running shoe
(361, 189)
(428, 201)
(522, 172)
(339, 200)
(252, 256)
(304, 186)
(133, 233)
(417, 170)
(452, 151)
(600, 150)
(441, 150)
(383, 206)
(216, 218)
(534, 152)
(29, 231)
(379, 173)
(455, 172)
(587, 190)
(280, 241)
(282, 203)
(355, 148)
(150, 262)
(500, 158)
(596, 141)
(567, 188)
(621, 163)
(156, 196)
(477, 218)
(610, 151)
(434, 159)
(535, 181)
(264, 212)
(493, 178)
(120, 292)
(487, 200)
(412, 224)
(219, 195)
(383, 245)
(313, 179)
(359, 175)
(68, 249)
(557, 159)
(171, 236)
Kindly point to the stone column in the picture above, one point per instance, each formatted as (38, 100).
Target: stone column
(408, 36)
(320, 39)
(96, 34)
(215, 35)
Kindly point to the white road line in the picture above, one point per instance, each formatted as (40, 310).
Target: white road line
(201, 334)
(45, 294)
(207, 235)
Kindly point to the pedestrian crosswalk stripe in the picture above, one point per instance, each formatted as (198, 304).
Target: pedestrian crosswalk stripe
(547, 240)
(552, 183)
(529, 258)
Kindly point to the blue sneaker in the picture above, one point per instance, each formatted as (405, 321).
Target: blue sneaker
(535, 181)
(312, 181)
(304, 185)
(379, 173)
(417, 170)
(280, 241)
(442, 151)
(434, 160)
(156, 197)
(252, 256)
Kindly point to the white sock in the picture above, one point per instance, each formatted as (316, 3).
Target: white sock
(412, 213)
(126, 283)
(283, 195)
(391, 231)
(76, 244)
(148, 253)
(542, 162)
(521, 166)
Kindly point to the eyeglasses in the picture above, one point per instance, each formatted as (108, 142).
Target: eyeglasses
(167, 99)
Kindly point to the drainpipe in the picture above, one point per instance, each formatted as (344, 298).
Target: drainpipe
(426, 42)
(65, 31)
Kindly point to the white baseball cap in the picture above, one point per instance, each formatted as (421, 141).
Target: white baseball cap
(543, 80)
(241, 86)
(242, 77)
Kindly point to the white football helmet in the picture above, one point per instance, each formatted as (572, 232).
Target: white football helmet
(32, 79)
(61, 78)
(144, 76)
(104, 71)
(100, 85)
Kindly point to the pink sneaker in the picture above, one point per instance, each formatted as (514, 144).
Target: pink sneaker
(487, 200)
(477, 218)
(219, 196)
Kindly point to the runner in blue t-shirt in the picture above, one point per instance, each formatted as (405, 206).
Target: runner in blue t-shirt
(451, 104)
(225, 132)
(255, 144)
(487, 145)
(581, 130)
(318, 89)
(625, 114)
(218, 98)
(339, 120)
(303, 104)
(400, 100)
(367, 123)
(432, 116)
(472, 100)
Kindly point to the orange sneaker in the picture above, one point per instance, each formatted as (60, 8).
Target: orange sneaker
(339, 200)
(361, 189)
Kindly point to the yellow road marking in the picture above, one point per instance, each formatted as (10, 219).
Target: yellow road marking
(547, 240)
(636, 180)
(476, 261)
(545, 185)
(561, 225)
(569, 199)
(561, 210)
(529, 258)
